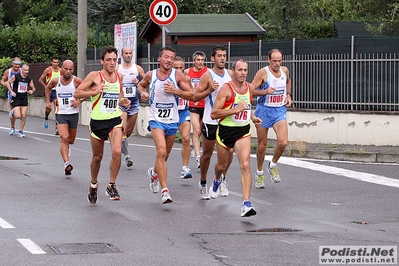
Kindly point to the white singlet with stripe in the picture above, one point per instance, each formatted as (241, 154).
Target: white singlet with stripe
(277, 99)
(65, 97)
(210, 99)
(163, 105)
(129, 89)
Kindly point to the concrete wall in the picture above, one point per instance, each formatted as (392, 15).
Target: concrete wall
(312, 127)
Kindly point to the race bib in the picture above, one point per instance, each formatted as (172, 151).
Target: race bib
(65, 99)
(164, 111)
(242, 117)
(109, 102)
(22, 87)
(129, 90)
(182, 104)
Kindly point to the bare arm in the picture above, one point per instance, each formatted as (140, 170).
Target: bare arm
(48, 88)
(186, 92)
(143, 84)
(5, 77)
(43, 76)
(7, 84)
(32, 86)
(259, 79)
(288, 99)
(224, 95)
(205, 87)
(90, 86)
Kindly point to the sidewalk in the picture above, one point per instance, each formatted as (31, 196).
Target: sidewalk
(340, 152)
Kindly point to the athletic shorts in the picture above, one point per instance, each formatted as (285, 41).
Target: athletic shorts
(134, 107)
(18, 101)
(68, 119)
(228, 136)
(197, 110)
(53, 95)
(184, 115)
(270, 115)
(169, 129)
(99, 129)
(9, 95)
(209, 131)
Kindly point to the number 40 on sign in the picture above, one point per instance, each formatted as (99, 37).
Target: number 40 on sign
(163, 12)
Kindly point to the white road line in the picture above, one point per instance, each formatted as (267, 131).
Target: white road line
(4, 224)
(31, 246)
(365, 177)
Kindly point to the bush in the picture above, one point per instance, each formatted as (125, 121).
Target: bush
(5, 63)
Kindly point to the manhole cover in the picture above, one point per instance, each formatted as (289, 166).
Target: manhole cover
(84, 248)
(274, 230)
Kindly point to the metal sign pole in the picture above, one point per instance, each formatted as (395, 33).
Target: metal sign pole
(163, 36)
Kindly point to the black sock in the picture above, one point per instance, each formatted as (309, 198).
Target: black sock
(203, 182)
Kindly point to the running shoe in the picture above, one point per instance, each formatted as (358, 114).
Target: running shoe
(223, 188)
(112, 192)
(11, 113)
(128, 161)
(214, 190)
(45, 123)
(204, 191)
(198, 159)
(166, 196)
(185, 173)
(259, 183)
(12, 132)
(92, 196)
(68, 169)
(154, 180)
(247, 210)
(192, 152)
(274, 174)
(21, 134)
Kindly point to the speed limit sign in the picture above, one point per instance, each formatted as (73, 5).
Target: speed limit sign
(163, 12)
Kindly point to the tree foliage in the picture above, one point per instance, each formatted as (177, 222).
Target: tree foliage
(39, 28)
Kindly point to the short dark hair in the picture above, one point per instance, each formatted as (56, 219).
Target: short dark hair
(238, 60)
(272, 51)
(108, 50)
(197, 53)
(166, 48)
(217, 48)
(55, 58)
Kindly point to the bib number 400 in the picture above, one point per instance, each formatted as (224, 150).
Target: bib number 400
(110, 104)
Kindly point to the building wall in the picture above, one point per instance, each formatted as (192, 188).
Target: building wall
(311, 127)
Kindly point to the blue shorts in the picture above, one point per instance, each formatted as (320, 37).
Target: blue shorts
(134, 107)
(270, 115)
(184, 115)
(169, 129)
(53, 95)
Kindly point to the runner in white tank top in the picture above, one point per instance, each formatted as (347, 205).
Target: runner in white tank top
(166, 84)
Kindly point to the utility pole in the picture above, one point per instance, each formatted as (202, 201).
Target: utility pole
(82, 38)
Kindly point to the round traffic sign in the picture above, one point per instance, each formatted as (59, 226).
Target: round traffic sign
(163, 12)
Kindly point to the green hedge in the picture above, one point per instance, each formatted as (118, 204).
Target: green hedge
(4, 64)
(38, 42)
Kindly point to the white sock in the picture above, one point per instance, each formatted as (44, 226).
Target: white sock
(259, 172)
(272, 165)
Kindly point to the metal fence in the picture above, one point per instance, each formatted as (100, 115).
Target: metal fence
(350, 82)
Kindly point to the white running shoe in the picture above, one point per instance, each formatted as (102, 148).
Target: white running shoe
(247, 210)
(223, 188)
(214, 190)
(204, 191)
(166, 196)
(274, 174)
(185, 173)
(154, 180)
(259, 183)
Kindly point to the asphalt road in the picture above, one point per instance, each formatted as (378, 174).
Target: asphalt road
(317, 203)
